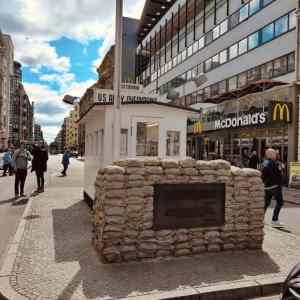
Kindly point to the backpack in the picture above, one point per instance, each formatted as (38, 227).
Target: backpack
(291, 286)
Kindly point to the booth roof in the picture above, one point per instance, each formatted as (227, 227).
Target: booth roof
(254, 87)
(144, 103)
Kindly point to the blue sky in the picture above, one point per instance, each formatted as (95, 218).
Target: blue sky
(60, 48)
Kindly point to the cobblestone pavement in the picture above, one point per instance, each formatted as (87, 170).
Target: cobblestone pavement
(55, 259)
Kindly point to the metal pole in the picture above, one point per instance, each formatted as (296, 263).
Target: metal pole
(117, 81)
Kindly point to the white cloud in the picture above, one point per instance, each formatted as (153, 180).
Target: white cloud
(49, 108)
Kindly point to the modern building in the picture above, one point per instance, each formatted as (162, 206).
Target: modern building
(38, 133)
(6, 71)
(237, 48)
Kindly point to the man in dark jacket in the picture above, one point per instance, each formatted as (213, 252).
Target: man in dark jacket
(272, 178)
(65, 162)
(39, 165)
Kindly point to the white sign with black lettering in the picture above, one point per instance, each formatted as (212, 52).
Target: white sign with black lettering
(259, 118)
(107, 97)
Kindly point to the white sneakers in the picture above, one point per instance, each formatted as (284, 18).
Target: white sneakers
(277, 224)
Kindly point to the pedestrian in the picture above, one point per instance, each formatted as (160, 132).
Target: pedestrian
(20, 159)
(7, 162)
(39, 165)
(65, 162)
(272, 178)
(245, 158)
(254, 160)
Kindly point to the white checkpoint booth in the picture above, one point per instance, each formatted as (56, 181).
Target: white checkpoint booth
(150, 128)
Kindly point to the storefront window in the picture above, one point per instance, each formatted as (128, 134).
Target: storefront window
(268, 33)
(232, 83)
(242, 79)
(147, 139)
(281, 25)
(280, 66)
(291, 62)
(253, 40)
(267, 70)
(222, 87)
(254, 74)
(214, 89)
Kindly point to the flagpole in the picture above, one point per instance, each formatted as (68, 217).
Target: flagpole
(117, 81)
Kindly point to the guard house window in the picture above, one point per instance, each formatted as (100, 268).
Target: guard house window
(147, 139)
(124, 142)
(281, 25)
(253, 40)
(267, 33)
(173, 143)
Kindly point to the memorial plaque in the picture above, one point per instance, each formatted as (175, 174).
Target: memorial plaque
(189, 205)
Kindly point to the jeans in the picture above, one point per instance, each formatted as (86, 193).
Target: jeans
(277, 194)
(40, 179)
(20, 181)
(65, 169)
(7, 167)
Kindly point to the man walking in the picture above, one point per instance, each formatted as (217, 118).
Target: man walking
(272, 178)
(254, 160)
(20, 161)
(65, 162)
(39, 165)
(7, 162)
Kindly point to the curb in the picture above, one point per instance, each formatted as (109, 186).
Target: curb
(246, 289)
(7, 292)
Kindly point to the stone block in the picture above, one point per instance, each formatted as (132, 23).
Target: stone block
(182, 252)
(135, 192)
(152, 162)
(172, 171)
(204, 165)
(114, 170)
(154, 170)
(189, 171)
(213, 248)
(169, 163)
(198, 249)
(114, 177)
(120, 193)
(187, 163)
(135, 184)
(135, 171)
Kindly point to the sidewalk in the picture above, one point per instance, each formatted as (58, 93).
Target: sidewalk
(55, 259)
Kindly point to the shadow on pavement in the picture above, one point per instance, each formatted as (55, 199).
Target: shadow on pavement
(7, 201)
(72, 241)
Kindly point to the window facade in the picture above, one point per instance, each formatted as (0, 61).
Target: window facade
(173, 143)
(197, 35)
(147, 138)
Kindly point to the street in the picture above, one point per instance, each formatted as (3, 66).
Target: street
(10, 214)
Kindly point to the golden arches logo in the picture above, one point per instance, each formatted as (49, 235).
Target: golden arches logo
(198, 127)
(282, 110)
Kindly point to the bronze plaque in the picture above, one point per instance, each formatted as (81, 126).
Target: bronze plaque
(189, 205)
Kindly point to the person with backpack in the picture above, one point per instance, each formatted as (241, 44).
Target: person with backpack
(20, 160)
(65, 162)
(272, 178)
(39, 165)
(7, 162)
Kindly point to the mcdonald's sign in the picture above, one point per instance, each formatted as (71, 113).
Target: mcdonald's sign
(198, 127)
(281, 112)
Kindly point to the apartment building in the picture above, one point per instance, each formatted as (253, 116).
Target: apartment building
(6, 71)
(72, 134)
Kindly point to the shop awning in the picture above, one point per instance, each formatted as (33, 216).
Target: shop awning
(254, 87)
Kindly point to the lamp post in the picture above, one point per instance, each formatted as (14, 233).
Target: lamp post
(117, 82)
